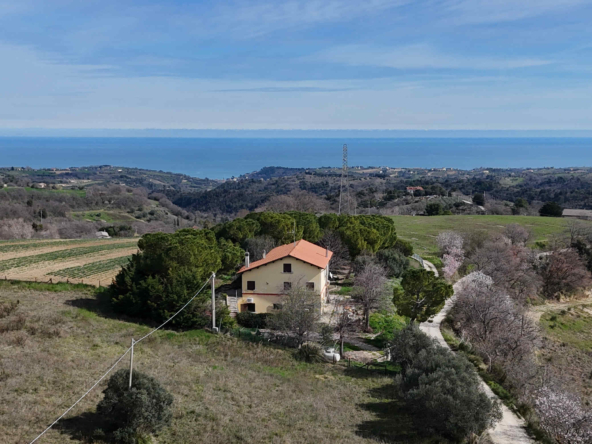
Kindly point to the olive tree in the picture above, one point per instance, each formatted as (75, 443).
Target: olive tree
(135, 413)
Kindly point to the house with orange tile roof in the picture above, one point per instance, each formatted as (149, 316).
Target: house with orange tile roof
(299, 263)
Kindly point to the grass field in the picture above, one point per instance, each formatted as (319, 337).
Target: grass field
(82, 260)
(102, 215)
(56, 344)
(422, 231)
(567, 349)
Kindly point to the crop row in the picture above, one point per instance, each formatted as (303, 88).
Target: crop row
(91, 269)
(60, 255)
(22, 246)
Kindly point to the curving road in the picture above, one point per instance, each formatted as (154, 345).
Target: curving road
(510, 430)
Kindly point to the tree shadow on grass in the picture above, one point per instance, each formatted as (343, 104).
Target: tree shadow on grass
(87, 427)
(393, 423)
(100, 304)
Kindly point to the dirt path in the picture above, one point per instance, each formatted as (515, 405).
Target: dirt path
(511, 429)
(42, 271)
(536, 312)
(430, 267)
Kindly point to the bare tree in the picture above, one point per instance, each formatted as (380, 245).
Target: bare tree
(300, 313)
(257, 246)
(332, 241)
(16, 229)
(496, 325)
(370, 290)
(564, 273)
(297, 200)
(345, 323)
(579, 230)
(517, 234)
(511, 267)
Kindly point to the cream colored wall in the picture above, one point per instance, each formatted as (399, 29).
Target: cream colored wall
(269, 280)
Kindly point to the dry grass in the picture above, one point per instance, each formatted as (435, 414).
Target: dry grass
(226, 391)
(567, 348)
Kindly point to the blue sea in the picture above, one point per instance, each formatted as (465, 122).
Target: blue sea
(220, 158)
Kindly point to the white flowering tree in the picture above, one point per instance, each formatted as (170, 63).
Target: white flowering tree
(562, 416)
(453, 256)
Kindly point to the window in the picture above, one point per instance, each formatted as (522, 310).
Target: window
(248, 307)
(250, 285)
(287, 286)
(310, 286)
(287, 268)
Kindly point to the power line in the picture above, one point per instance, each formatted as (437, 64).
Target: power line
(120, 359)
(344, 177)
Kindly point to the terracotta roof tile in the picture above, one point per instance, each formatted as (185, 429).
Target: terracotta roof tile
(302, 250)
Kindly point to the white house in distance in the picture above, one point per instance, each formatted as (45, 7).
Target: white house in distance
(299, 263)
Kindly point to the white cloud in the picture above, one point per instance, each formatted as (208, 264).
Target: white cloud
(492, 11)
(247, 19)
(419, 56)
(38, 93)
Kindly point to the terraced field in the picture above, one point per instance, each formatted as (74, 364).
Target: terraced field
(90, 261)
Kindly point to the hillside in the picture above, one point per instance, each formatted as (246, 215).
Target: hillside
(225, 390)
(422, 231)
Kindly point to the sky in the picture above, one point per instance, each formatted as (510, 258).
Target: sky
(296, 64)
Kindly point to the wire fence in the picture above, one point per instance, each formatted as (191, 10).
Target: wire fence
(418, 258)
(134, 343)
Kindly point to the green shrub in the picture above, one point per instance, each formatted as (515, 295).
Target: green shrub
(387, 325)
(551, 209)
(134, 414)
(253, 320)
(393, 261)
(404, 247)
(441, 389)
(309, 352)
(434, 209)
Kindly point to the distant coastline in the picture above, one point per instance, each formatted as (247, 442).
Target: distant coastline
(292, 134)
(219, 158)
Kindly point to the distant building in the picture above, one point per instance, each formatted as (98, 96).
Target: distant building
(412, 190)
(266, 280)
(578, 214)
(39, 185)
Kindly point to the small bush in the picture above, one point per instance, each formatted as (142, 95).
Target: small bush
(7, 308)
(309, 352)
(393, 261)
(135, 413)
(252, 320)
(404, 247)
(387, 325)
(14, 324)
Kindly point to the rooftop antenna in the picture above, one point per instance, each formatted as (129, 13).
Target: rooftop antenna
(344, 200)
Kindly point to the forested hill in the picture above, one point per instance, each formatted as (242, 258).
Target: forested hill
(78, 177)
(385, 190)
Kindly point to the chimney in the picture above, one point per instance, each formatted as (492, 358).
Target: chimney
(264, 254)
(326, 252)
(247, 262)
